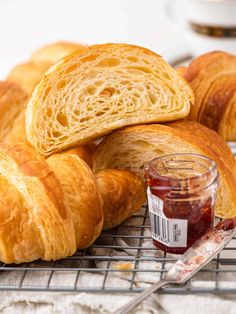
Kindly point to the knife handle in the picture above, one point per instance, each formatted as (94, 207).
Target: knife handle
(135, 301)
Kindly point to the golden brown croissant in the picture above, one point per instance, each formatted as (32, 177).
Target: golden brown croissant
(12, 101)
(53, 52)
(101, 88)
(181, 70)
(212, 78)
(16, 134)
(51, 208)
(132, 147)
(85, 152)
(27, 75)
(123, 194)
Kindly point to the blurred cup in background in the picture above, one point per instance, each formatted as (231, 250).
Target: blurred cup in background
(207, 24)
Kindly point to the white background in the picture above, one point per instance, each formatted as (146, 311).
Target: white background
(28, 24)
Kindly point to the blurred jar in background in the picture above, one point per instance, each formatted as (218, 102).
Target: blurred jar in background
(207, 24)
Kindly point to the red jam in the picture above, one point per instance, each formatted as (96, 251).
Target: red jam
(187, 197)
(227, 224)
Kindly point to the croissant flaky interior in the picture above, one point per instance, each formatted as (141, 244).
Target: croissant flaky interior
(101, 88)
(51, 208)
(130, 148)
(212, 78)
(24, 77)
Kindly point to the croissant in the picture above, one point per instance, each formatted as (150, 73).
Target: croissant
(131, 147)
(16, 134)
(51, 208)
(12, 120)
(55, 51)
(101, 88)
(12, 101)
(123, 194)
(212, 78)
(85, 152)
(181, 70)
(27, 75)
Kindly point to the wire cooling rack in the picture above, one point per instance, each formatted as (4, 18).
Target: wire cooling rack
(121, 260)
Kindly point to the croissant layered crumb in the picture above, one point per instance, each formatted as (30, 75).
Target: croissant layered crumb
(99, 89)
(27, 75)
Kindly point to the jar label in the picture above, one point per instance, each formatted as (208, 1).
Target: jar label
(170, 232)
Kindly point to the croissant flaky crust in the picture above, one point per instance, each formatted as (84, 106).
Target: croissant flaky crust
(47, 210)
(12, 102)
(123, 194)
(212, 78)
(101, 88)
(55, 51)
(50, 208)
(27, 75)
(131, 147)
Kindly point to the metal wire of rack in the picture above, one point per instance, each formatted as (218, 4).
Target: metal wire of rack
(106, 259)
(123, 259)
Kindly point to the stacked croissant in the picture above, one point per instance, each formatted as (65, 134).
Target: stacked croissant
(78, 124)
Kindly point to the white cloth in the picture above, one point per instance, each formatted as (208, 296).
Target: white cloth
(60, 303)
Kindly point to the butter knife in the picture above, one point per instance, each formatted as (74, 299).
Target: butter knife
(196, 257)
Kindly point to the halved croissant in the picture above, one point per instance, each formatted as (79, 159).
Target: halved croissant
(27, 75)
(132, 147)
(12, 101)
(212, 78)
(51, 208)
(55, 51)
(99, 89)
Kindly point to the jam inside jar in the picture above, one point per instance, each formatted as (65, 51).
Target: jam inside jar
(181, 197)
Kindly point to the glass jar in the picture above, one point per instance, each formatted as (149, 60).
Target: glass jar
(181, 196)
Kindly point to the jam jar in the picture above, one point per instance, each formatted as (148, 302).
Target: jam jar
(181, 190)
